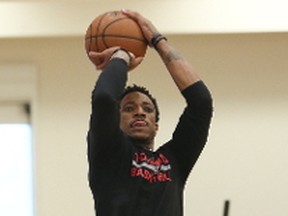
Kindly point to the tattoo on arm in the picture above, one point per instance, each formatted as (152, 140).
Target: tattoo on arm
(171, 56)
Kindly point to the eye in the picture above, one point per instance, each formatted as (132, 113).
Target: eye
(148, 109)
(128, 108)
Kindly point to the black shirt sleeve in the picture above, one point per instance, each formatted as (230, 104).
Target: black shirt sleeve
(191, 133)
(104, 135)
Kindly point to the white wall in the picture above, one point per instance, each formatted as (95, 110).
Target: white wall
(245, 157)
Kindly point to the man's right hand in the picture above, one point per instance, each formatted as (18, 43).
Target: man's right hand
(100, 59)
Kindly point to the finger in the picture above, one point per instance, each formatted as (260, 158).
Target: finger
(132, 14)
(111, 50)
(101, 65)
(147, 27)
(135, 62)
(138, 60)
(95, 57)
(132, 56)
(93, 53)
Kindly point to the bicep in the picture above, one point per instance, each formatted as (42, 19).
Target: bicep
(104, 124)
(191, 133)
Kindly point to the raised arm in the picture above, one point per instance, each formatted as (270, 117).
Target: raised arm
(104, 120)
(191, 132)
(180, 70)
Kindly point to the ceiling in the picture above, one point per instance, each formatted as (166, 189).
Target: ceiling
(44, 18)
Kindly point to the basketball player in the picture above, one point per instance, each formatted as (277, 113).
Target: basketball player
(127, 176)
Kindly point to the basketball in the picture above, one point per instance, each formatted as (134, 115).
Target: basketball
(115, 29)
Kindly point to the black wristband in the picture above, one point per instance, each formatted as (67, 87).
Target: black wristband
(155, 40)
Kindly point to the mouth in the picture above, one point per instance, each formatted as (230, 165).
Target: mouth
(138, 123)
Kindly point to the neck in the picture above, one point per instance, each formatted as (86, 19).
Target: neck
(149, 148)
(145, 144)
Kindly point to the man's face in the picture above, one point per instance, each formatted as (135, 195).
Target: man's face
(138, 117)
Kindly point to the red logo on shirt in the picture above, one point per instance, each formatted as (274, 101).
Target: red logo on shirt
(156, 169)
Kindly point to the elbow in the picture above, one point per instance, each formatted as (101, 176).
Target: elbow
(208, 104)
(204, 105)
(207, 108)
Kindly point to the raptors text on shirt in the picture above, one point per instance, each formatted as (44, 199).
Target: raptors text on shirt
(155, 169)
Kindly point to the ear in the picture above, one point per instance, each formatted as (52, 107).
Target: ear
(156, 126)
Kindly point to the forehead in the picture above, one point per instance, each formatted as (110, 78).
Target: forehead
(137, 98)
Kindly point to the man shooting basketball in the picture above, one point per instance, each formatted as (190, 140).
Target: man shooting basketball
(126, 175)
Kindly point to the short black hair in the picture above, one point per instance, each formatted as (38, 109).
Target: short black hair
(143, 90)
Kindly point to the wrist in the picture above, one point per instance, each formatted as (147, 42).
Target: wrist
(156, 40)
(122, 54)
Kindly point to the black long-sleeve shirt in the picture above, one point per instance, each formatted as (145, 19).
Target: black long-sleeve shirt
(127, 180)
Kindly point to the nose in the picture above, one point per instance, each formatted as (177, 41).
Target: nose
(139, 112)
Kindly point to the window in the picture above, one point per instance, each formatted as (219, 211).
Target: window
(16, 181)
(17, 92)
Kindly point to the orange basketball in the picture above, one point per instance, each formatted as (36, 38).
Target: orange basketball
(114, 28)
